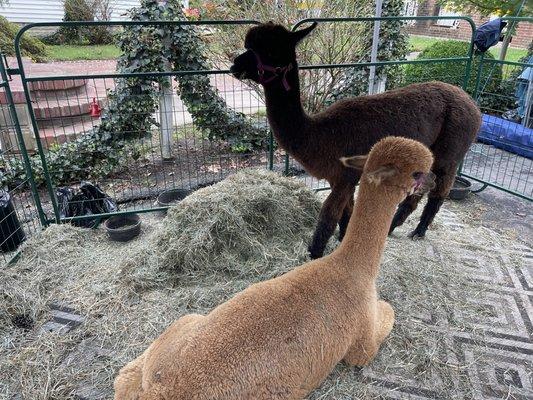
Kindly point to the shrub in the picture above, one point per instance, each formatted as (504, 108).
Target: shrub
(83, 10)
(453, 72)
(31, 46)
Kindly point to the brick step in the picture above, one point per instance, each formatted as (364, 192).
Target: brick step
(63, 130)
(63, 84)
(19, 97)
(58, 108)
(65, 122)
(79, 91)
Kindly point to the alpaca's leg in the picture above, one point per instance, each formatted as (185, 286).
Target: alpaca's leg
(444, 177)
(128, 383)
(131, 383)
(328, 218)
(385, 321)
(361, 352)
(405, 209)
(365, 349)
(346, 214)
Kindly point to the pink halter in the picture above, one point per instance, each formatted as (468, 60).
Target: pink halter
(277, 71)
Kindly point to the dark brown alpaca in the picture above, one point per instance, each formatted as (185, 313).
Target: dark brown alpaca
(441, 116)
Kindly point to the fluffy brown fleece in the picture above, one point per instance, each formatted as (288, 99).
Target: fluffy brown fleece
(279, 339)
(439, 115)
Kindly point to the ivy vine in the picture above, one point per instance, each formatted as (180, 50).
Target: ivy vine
(134, 100)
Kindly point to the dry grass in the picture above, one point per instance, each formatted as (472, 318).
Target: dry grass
(250, 227)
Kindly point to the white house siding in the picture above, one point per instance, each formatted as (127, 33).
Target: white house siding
(29, 11)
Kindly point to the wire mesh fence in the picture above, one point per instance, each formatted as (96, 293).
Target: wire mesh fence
(502, 156)
(184, 157)
(19, 213)
(66, 104)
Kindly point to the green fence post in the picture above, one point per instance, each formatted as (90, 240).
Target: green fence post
(471, 54)
(475, 94)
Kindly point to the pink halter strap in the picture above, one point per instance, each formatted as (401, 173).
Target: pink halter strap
(276, 71)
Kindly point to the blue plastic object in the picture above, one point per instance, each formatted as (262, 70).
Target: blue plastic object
(506, 135)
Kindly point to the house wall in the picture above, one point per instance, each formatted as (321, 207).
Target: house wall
(462, 30)
(29, 11)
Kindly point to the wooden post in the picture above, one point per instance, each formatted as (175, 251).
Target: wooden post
(166, 118)
(374, 51)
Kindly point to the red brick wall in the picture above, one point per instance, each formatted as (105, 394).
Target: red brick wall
(522, 38)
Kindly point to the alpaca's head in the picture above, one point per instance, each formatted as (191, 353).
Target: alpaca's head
(268, 44)
(396, 162)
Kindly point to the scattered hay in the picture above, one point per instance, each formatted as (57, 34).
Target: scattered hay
(251, 226)
(434, 285)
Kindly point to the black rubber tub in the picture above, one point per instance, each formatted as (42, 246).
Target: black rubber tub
(460, 189)
(172, 197)
(122, 228)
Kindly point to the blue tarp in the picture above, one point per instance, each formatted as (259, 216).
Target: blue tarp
(506, 135)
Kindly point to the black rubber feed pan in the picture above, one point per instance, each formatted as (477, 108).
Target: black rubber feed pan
(172, 197)
(122, 228)
(460, 189)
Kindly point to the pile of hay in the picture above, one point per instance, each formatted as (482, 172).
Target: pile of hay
(215, 243)
(253, 224)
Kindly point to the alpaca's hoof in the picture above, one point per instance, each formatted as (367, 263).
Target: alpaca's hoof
(313, 253)
(394, 224)
(417, 234)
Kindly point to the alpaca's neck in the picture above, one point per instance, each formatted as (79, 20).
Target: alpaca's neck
(285, 112)
(363, 244)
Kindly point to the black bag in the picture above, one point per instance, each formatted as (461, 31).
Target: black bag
(11, 232)
(488, 34)
(89, 199)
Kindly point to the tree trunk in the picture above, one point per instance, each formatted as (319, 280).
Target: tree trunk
(505, 45)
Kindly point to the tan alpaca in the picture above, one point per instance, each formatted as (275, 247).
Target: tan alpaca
(280, 339)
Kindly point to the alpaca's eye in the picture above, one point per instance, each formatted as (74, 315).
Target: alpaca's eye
(417, 175)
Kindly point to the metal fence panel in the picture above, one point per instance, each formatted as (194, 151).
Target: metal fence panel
(21, 214)
(186, 158)
(502, 157)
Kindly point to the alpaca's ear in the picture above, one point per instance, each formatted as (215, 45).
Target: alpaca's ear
(300, 34)
(382, 173)
(356, 162)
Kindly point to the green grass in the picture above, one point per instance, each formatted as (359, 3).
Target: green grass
(187, 131)
(74, 53)
(512, 54)
(419, 43)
